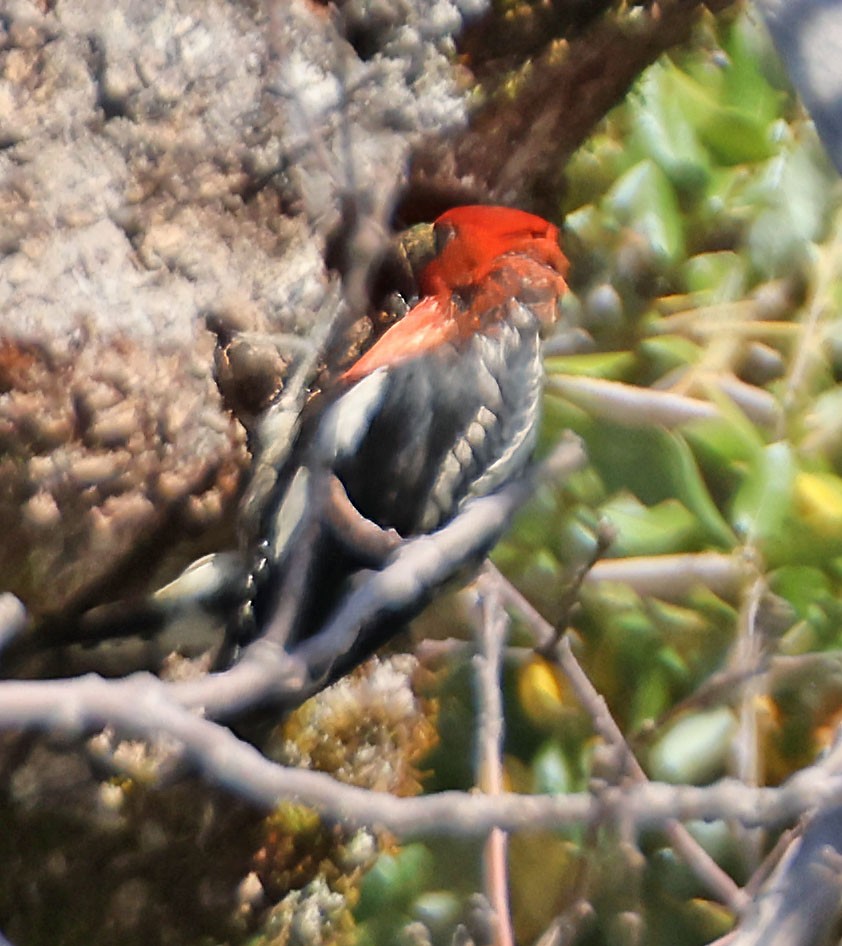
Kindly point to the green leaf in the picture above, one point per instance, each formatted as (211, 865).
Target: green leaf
(695, 749)
(745, 84)
(719, 277)
(663, 353)
(795, 191)
(613, 365)
(794, 517)
(674, 620)
(644, 200)
(656, 465)
(733, 133)
(723, 444)
(801, 585)
(664, 132)
(649, 530)
(652, 697)
(764, 500)
(594, 167)
(551, 771)
(395, 880)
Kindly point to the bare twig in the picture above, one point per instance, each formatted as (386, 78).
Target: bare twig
(492, 629)
(748, 654)
(674, 576)
(708, 871)
(564, 929)
(142, 706)
(773, 858)
(605, 535)
(625, 404)
(720, 687)
(801, 903)
(643, 407)
(758, 405)
(809, 354)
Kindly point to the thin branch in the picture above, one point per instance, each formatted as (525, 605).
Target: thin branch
(771, 861)
(565, 928)
(740, 318)
(802, 901)
(808, 352)
(605, 536)
(758, 405)
(674, 576)
(720, 687)
(493, 627)
(643, 407)
(625, 404)
(705, 868)
(140, 706)
(749, 654)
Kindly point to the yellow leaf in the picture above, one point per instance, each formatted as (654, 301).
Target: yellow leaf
(542, 692)
(819, 500)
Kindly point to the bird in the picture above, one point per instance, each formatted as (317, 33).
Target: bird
(443, 408)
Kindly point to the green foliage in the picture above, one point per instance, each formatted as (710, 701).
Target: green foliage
(706, 206)
(703, 224)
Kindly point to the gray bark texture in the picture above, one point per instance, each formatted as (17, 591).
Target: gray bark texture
(163, 163)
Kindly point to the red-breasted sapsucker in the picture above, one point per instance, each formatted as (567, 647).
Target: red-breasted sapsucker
(444, 407)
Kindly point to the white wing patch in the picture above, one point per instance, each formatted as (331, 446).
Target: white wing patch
(347, 421)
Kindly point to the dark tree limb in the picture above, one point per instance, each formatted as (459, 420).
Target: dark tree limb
(517, 144)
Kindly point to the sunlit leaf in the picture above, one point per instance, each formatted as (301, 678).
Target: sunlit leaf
(614, 365)
(664, 353)
(733, 133)
(664, 130)
(794, 190)
(649, 530)
(715, 276)
(763, 503)
(541, 693)
(724, 444)
(695, 749)
(644, 199)
(551, 771)
(652, 697)
(818, 498)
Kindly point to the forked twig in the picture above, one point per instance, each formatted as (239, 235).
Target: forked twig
(702, 864)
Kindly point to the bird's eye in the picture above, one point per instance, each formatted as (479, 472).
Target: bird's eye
(443, 233)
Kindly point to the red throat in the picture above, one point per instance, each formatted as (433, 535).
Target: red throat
(426, 326)
(486, 255)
